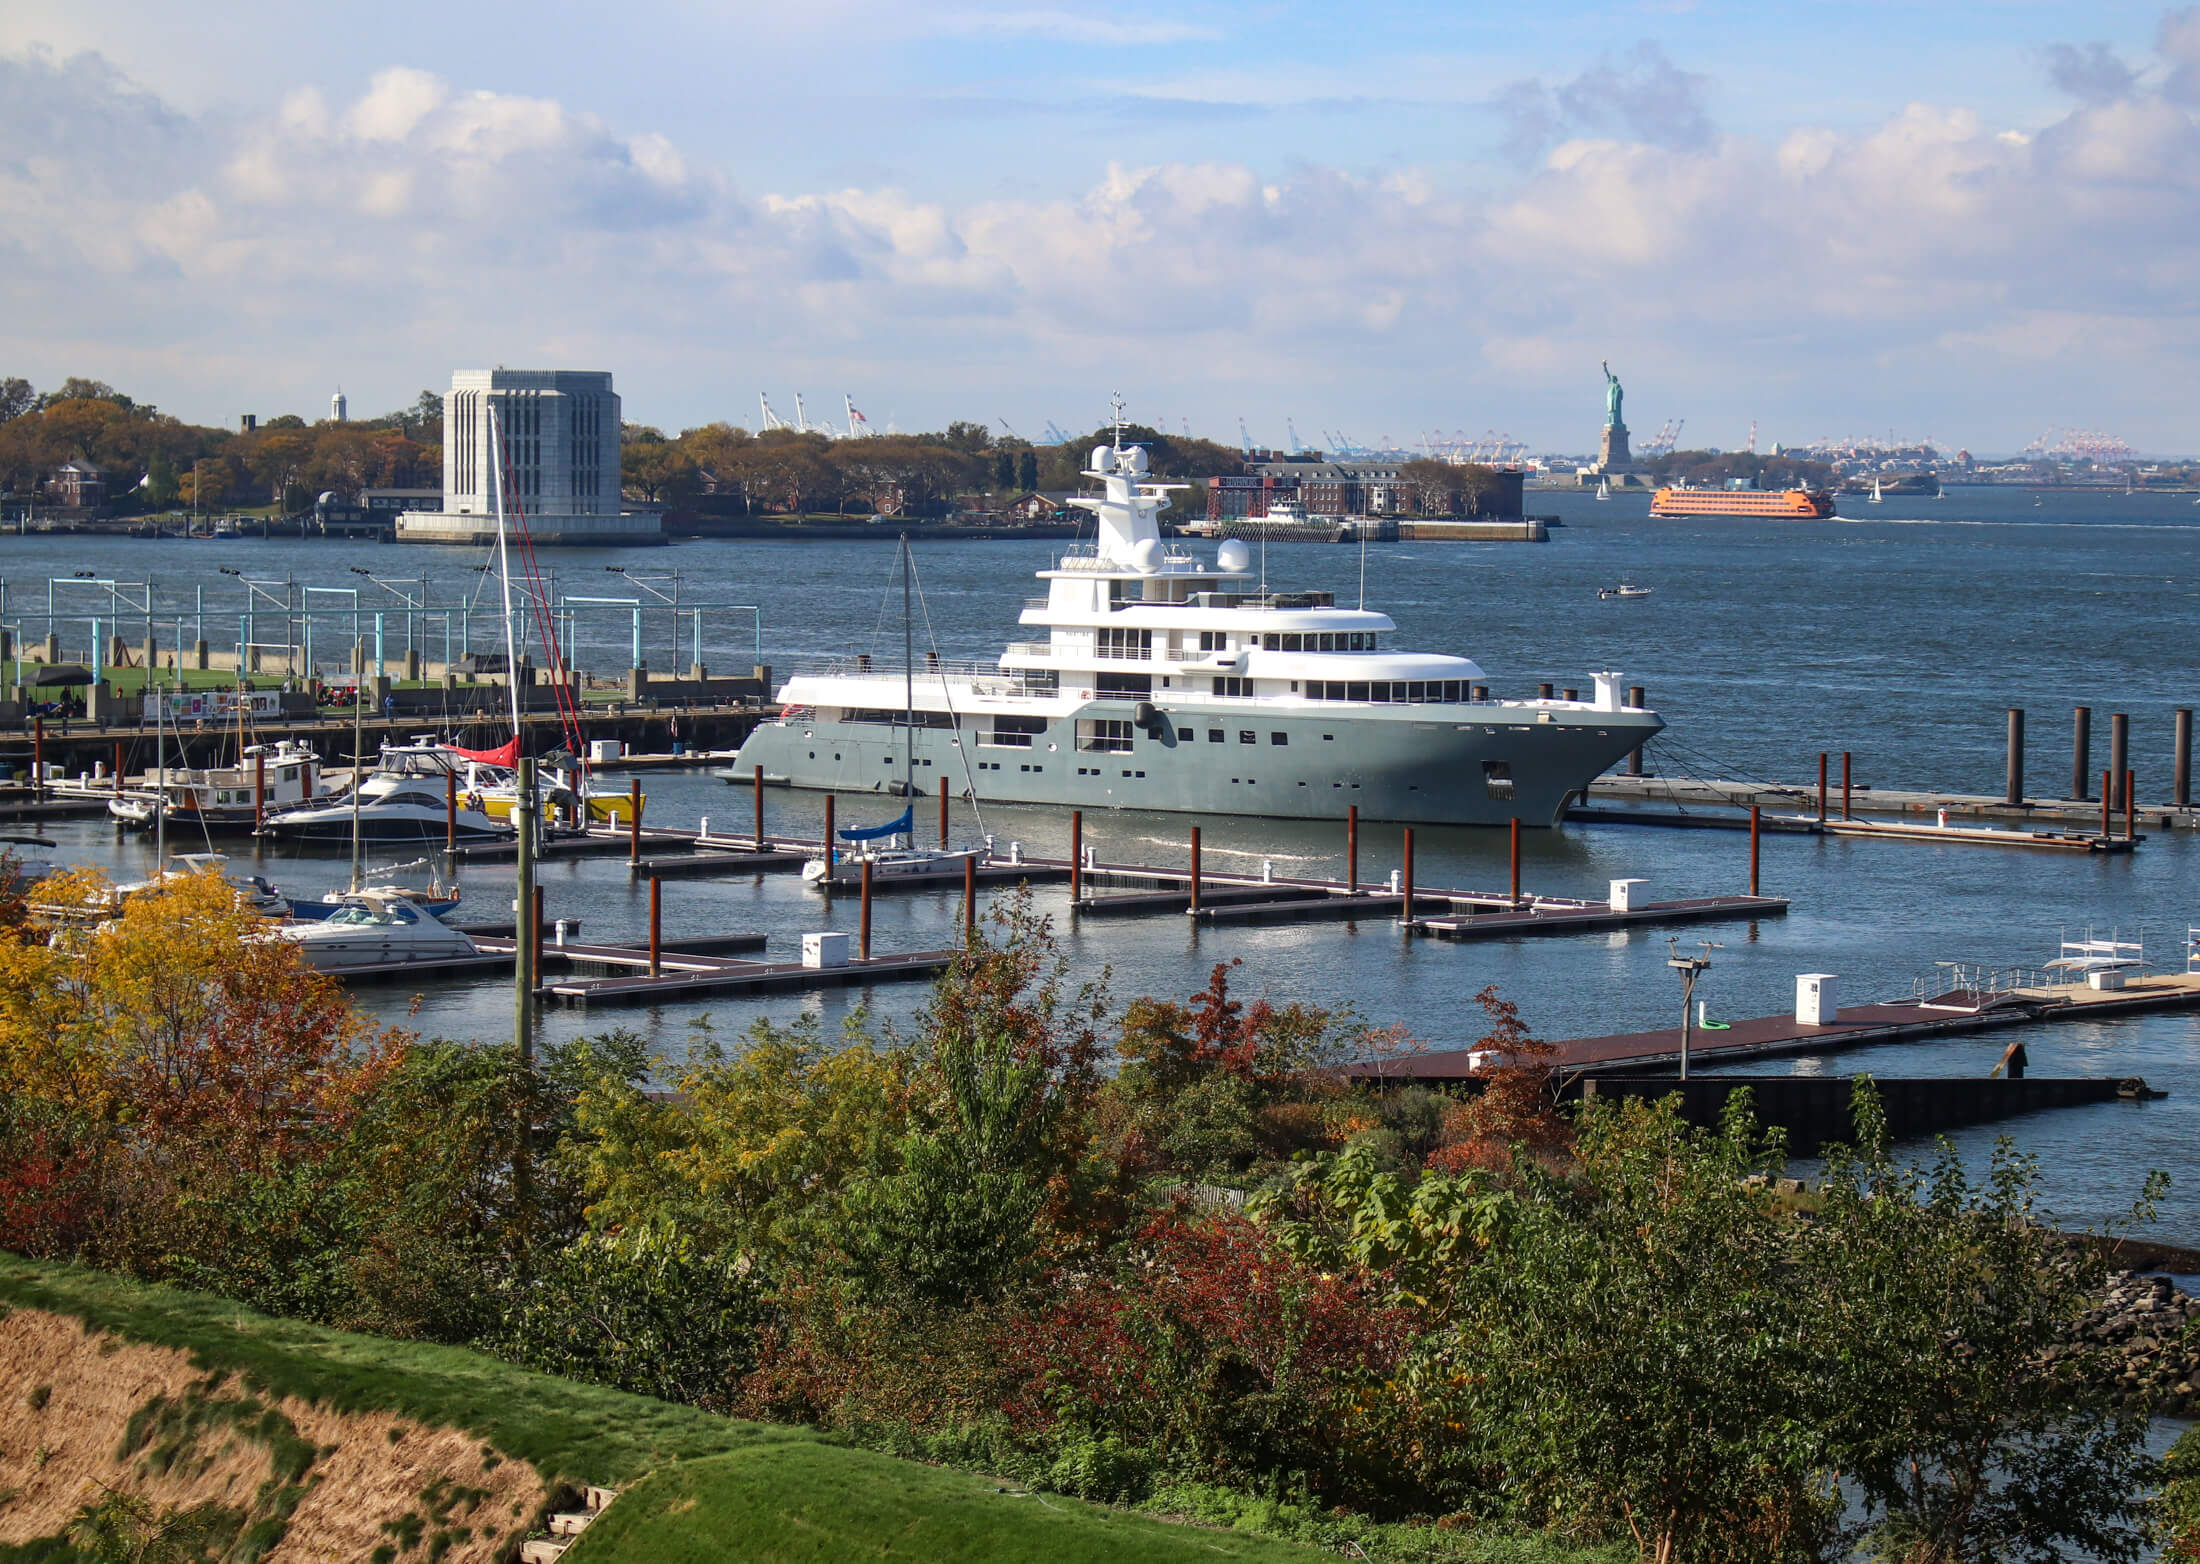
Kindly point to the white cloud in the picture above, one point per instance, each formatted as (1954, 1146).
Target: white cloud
(1933, 255)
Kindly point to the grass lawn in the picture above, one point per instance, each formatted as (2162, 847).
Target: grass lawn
(776, 1504)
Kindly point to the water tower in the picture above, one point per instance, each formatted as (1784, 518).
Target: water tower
(337, 406)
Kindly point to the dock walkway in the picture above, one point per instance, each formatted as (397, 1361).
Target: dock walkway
(1854, 1026)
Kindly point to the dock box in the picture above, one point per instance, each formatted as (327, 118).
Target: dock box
(825, 950)
(1624, 894)
(2108, 979)
(601, 751)
(1814, 1004)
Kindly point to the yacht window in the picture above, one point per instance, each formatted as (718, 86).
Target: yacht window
(1116, 642)
(1214, 735)
(1451, 689)
(1184, 734)
(1014, 732)
(1233, 686)
(1106, 735)
(1214, 640)
(1416, 691)
(1248, 736)
(1271, 642)
(1291, 643)
(1355, 692)
(1124, 684)
(1279, 738)
(1497, 778)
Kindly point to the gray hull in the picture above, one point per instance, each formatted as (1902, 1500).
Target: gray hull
(1476, 764)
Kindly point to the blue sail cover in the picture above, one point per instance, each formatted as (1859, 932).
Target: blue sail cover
(907, 822)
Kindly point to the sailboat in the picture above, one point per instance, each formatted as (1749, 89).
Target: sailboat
(1604, 488)
(1877, 498)
(890, 850)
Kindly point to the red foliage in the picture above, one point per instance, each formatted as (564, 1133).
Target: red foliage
(1206, 1338)
(1518, 1104)
(45, 1206)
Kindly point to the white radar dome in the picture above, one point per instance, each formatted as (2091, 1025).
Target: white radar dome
(1233, 555)
(1135, 459)
(1103, 458)
(1146, 556)
(328, 496)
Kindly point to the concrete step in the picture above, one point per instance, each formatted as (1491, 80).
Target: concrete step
(543, 1550)
(599, 1498)
(570, 1523)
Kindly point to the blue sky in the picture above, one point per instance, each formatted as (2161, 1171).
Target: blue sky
(1973, 221)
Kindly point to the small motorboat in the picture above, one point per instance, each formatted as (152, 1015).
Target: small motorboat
(374, 929)
(1621, 591)
(253, 890)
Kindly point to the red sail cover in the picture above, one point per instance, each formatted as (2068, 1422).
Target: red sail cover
(505, 754)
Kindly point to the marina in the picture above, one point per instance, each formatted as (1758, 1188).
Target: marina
(1865, 908)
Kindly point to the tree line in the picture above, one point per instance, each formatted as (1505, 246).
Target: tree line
(152, 461)
(1162, 1253)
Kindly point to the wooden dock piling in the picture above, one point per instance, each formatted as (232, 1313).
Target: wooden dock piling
(1821, 787)
(1543, 691)
(759, 837)
(2131, 807)
(1076, 855)
(2119, 752)
(943, 812)
(2012, 792)
(2181, 760)
(1352, 849)
(970, 897)
(1195, 869)
(2108, 786)
(1634, 756)
(1516, 860)
(1845, 785)
(1756, 828)
(634, 822)
(118, 768)
(656, 926)
(2081, 751)
(1405, 913)
(832, 854)
(863, 942)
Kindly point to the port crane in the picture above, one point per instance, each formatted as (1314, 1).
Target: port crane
(1245, 440)
(770, 419)
(858, 426)
(1054, 433)
(1661, 444)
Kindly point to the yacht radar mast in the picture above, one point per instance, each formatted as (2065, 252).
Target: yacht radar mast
(1128, 507)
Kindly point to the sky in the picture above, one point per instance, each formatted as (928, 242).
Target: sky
(1973, 221)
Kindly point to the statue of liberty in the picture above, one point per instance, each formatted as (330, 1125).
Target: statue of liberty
(1614, 393)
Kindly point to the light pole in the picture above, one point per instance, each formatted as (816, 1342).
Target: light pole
(1688, 967)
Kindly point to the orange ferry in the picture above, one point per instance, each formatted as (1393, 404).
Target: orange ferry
(1787, 504)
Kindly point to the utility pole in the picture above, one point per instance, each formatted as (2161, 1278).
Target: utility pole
(1688, 967)
(523, 985)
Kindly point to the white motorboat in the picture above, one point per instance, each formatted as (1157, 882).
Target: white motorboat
(1623, 590)
(374, 928)
(406, 812)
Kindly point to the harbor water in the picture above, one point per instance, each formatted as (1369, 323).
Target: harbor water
(1899, 636)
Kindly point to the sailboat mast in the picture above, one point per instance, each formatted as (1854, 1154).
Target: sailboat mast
(160, 790)
(358, 779)
(504, 562)
(908, 687)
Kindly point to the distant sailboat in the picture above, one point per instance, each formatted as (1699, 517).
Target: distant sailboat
(1877, 497)
(1604, 488)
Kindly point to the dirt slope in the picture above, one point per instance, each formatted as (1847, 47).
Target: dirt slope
(79, 1411)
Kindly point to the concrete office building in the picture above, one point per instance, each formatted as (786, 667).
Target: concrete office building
(556, 432)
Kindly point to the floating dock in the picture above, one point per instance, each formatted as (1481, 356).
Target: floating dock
(1682, 794)
(1853, 1026)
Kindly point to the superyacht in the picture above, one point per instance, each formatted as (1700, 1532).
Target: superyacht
(1173, 683)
